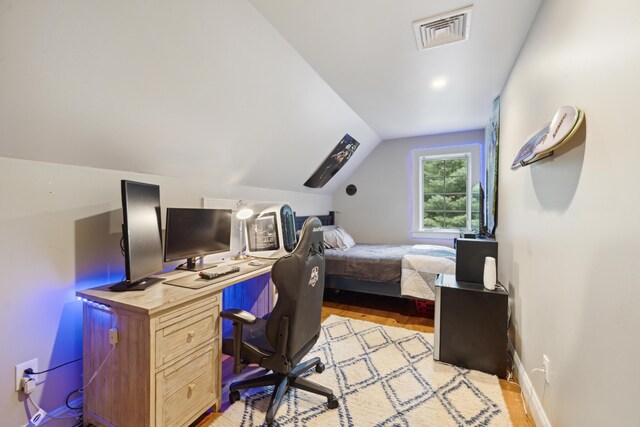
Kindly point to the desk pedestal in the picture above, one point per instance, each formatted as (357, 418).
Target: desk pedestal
(165, 369)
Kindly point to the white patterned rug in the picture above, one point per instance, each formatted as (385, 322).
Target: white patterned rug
(382, 376)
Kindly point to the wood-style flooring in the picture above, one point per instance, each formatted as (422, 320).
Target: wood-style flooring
(385, 311)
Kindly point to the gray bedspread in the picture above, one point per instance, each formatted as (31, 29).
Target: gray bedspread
(377, 263)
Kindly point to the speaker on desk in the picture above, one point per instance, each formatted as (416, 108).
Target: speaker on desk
(470, 256)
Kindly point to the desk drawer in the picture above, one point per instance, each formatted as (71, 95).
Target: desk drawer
(187, 388)
(186, 311)
(185, 335)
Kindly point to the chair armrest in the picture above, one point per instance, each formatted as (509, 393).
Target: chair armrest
(238, 315)
(239, 318)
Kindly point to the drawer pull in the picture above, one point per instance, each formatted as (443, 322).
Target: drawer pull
(190, 335)
(192, 386)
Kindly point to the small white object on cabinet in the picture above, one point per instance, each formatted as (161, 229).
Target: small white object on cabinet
(489, 275)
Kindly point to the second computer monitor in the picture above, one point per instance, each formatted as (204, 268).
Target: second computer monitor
(194, 233)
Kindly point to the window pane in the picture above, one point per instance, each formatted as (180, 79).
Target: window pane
(445, 193)
(433, 167)
(475, 220)
(455, 219)
(455, 202)
(433, 185)
(456, 167)
(434, 220)
(434, 203)
(475, 202)
(456, 184)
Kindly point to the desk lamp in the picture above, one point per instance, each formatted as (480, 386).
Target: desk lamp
(243, 211)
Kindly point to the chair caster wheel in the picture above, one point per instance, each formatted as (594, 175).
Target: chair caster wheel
(234, 396)
(333, 403)
(273, 423)
(320, 368)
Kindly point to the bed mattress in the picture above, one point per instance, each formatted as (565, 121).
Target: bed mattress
(376, 263)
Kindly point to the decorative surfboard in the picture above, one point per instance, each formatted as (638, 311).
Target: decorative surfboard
(562, 127)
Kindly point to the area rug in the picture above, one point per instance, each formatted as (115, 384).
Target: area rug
(382, 376)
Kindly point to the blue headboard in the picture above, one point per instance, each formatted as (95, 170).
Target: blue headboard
(324, 219)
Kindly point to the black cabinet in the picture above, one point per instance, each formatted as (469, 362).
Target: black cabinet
(471, 325)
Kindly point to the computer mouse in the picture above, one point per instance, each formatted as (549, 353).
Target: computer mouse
(255, 263)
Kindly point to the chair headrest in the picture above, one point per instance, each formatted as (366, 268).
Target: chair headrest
(311, 233)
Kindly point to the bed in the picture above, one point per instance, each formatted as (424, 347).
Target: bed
(405, 271)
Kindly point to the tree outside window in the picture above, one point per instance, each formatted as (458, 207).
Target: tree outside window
(448, 202)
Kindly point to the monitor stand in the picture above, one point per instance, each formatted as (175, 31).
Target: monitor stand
(192, 266)
(140, 285)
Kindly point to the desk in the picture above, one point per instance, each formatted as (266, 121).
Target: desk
(165, 369)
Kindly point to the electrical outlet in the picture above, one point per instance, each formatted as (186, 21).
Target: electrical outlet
(20, 368)
(545, 367)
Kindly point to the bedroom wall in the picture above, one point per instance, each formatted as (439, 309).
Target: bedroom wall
(60, 232)
(381, 211)
(568, 240)
(190, 89)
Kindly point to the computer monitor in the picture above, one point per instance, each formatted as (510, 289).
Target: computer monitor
(194, 233)
(141, 235)
(271, 233)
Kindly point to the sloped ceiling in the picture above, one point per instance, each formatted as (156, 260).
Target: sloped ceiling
(206, 90)
(366, 51)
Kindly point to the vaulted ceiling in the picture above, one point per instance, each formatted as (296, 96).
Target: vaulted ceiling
(367, 52)
(214, 91)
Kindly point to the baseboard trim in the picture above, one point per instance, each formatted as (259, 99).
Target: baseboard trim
(529, 393)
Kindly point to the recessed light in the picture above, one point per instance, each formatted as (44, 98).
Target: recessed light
(439, 83)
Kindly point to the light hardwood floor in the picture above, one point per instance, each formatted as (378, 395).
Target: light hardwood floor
(385, 311)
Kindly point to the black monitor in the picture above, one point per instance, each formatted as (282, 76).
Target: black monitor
(141, 235)
(194, 233)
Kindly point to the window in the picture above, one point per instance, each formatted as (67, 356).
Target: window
(447, 200)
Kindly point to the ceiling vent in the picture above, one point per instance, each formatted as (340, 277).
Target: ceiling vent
(449, 27)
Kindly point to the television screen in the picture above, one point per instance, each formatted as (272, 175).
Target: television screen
(193, 233)
(142, 234)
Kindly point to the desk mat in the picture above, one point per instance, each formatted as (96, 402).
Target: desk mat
(194, 281)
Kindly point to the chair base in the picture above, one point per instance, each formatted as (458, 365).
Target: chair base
(282, 383)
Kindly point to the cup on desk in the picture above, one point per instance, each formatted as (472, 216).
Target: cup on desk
(489, 274)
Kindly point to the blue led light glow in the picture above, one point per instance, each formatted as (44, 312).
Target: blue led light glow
(480, 146)
(96, 304)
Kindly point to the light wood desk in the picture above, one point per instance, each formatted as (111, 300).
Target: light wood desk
(165, 369)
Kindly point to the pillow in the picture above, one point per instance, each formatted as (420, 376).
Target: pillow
(329, 227)
(337, 238)
(331, 236)
(346, 238)
(325, 228)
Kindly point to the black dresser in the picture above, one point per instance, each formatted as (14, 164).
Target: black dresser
(471, 325)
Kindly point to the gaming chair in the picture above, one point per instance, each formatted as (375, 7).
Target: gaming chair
(279, 342)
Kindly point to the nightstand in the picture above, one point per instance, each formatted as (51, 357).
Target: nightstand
(471, 325)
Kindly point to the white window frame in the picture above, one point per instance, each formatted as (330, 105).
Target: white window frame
(467, 157)
(420, 204)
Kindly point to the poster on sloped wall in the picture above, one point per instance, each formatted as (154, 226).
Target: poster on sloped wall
(491, 143)
(333, 163)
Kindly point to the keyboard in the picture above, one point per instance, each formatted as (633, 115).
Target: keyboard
(218, 271)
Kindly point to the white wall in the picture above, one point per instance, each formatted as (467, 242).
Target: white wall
(381, 210)
(567, 232)
(60, 232)
(191, 89)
